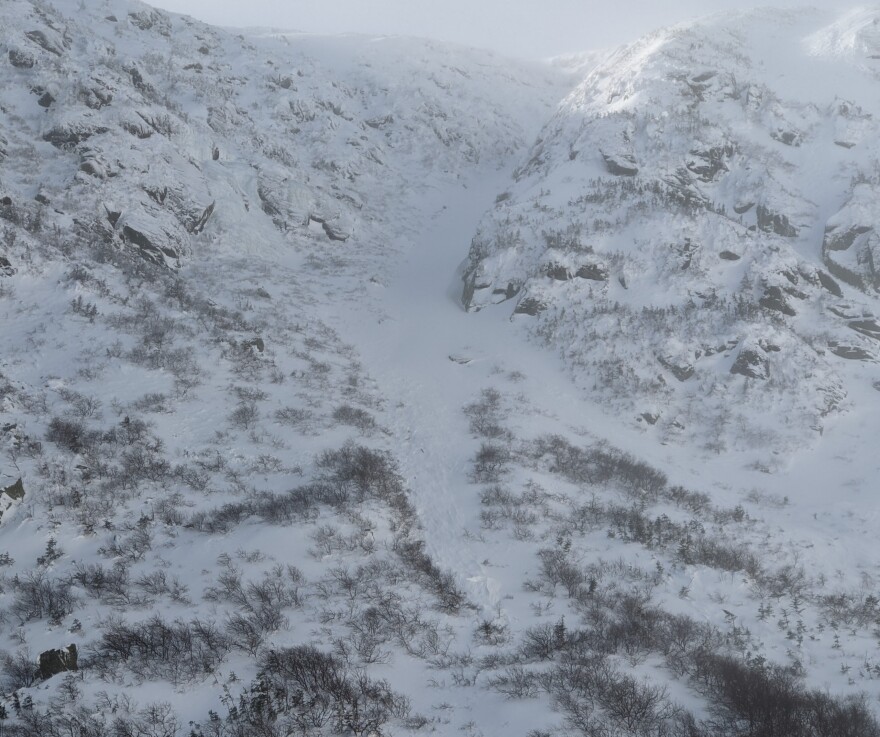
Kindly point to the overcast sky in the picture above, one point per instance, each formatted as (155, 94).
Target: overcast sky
(525, 28)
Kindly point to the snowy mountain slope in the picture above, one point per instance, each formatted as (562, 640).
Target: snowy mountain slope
(694, 229)
(147, 120)
(276, 481)
(184, 212)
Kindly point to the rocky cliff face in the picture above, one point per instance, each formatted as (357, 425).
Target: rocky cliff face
(696, 226)
(153, 134)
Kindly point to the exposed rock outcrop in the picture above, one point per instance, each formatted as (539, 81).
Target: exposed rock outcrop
(53, 662)
(751, 363)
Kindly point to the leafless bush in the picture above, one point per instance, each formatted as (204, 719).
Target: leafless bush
(361, 473)
(37, 596)
(245, 415)
(490, 462)
(441, 583)
(310, 689)
(260, 604)
(356, 417)
(301, 419)
(486, 415)
(19, 670)
(111, 585)
(178, 651)
(151, 402)
(71, 435)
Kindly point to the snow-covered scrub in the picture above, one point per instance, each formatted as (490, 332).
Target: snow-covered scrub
(263, 475)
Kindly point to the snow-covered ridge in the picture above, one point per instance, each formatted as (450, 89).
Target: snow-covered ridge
(147, 119)
(700, 193)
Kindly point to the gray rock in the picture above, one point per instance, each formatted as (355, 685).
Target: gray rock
(870, 328)
(851, 352)
(21, 59)
(202, 220)
(594, 272)
(53, 662)
(254, 344)
(839, 239)
(557, 272)
(709, 163)
(774, 299)
(751, 363)
(774, 222)
(69, 137)
(15, 491)
(42, 39)
(6, 268)
(149, 20)
(620, 165)
(529, 306)
(728, 256)
(681, 370)
(788, 137)
(149, 250)
(829, 284)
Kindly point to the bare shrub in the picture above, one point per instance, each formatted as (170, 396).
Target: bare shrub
(311, 689)
(245, 415)
(486, 415)
(356, 417)
(37, 596)
(178, 651)
(490, 462)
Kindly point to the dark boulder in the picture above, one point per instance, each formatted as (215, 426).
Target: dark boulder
(681, 370)
(851, 352)
(841, 239)
(53, 662)
(529, 306)
(728, 256)
(557, 272)
(21, 59)
(829, 284)
(6, 268)
(15, 491)
(202, 220)
(594, 272)
(149, 250)
(621, 165)
(708, 164)
(774, 299)
(42, 39)
(69, 137)
(870, 328)
(774, 222)
(788, 137)
(510, 291)
(751, 363)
